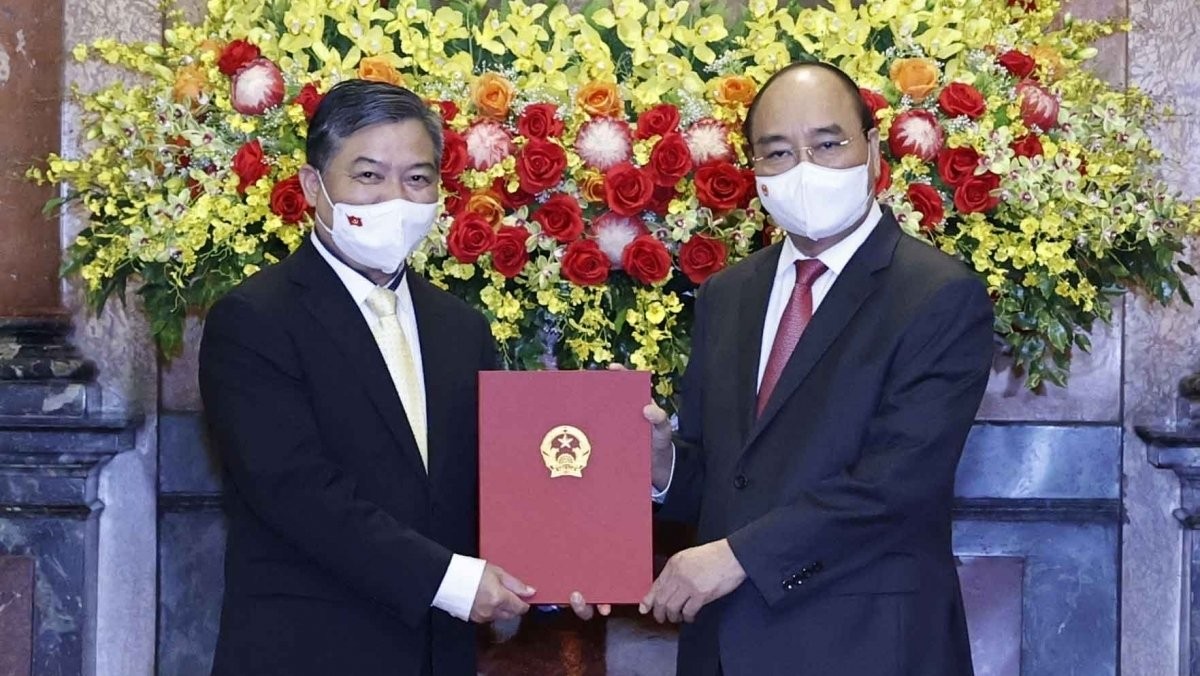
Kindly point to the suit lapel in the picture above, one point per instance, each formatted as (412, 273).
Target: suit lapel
(334, 310)
(752, 310)
(850, 290)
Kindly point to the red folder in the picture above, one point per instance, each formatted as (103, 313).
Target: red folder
(564, 482)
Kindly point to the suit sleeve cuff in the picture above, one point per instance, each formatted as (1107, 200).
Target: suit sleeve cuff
(661, 496)
(456, 595)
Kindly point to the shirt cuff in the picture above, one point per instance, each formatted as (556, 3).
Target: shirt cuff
(456, 594)
(660, 497)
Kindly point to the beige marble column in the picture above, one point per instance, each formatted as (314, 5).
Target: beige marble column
(119, 342)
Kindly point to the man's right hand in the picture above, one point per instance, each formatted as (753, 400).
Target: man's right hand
(500, 596)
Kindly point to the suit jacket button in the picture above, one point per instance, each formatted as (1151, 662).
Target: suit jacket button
(740, 482)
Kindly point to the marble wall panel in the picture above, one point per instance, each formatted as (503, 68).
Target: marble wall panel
(16, 615)
(1161, 346)
(58, 546)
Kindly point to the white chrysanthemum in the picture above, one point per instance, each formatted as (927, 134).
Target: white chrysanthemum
(614, 232)
(709, 141)
(488, 143)
(604, 143)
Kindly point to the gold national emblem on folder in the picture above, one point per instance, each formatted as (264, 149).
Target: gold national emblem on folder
(566, 450)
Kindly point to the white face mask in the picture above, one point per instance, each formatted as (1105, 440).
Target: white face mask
(816, 202)
(379, 236)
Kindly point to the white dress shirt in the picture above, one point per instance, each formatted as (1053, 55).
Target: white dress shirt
(456, 594)
(835, 259)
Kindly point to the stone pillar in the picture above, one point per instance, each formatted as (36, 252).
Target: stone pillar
(1176, 446)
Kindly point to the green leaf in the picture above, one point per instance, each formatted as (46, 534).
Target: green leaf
(1083, 342)
(1186, 268)
(1057, 333)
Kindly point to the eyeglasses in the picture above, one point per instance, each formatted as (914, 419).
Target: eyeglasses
(779, 160)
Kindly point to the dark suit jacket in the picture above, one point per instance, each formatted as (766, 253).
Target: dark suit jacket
(338, 539)
(836, 501)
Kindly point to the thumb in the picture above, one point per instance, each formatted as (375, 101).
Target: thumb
(514, 585)
(656, 416)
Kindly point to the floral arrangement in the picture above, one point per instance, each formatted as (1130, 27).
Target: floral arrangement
(594, 173)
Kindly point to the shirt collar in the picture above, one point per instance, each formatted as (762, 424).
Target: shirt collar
(837, 256)
(359, 286)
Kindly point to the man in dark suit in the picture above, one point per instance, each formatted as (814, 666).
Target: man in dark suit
(341, 393)
(833, 380)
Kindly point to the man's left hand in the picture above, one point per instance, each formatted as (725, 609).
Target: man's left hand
(692, 579)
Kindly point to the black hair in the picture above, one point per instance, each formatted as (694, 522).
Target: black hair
(866, 117)
(353, 105)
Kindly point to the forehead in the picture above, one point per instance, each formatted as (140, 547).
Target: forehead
(406, 142)
(802, 100)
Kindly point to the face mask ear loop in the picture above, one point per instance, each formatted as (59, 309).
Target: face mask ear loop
(316, 213)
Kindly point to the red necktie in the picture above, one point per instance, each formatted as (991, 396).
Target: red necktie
(791, 325)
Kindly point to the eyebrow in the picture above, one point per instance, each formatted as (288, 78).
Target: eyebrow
(827, 130)
(377, 163)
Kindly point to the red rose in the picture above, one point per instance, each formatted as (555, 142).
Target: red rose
(749, 188)
(719, 186)
(235, 55)
(456, 195)
(538, 121)
(511, 200)
(1018, 63)
(447, 109)
(249, 165)
(976, 194)
(540, 165)
(454, 154)
(670, 160)
(585, 264)
(956, 165)
(885, 177)
(661, 201)
(509, 255)
(1027, 146)
(561, 218)
(959, 98)
(628, 189)
(916, 132)
(702, 257)
(288, 202)
(926, 199)
(1039, 108)
(646, 260)
(874, 101)
(657, 121)
(308, 99)
(470, 236)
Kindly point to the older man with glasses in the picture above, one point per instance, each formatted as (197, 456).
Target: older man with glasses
(833, 380)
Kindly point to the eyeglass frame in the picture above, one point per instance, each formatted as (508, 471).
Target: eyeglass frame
(809, 150)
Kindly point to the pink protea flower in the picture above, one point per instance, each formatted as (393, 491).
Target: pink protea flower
(488, 143)
(916, 132)
(604, 142)
(708, 139)
(257, 87)
(614, 232)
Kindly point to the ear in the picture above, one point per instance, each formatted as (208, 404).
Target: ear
(874, 152)
(310, 182)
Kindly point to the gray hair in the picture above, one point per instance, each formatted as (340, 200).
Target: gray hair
(353, 105)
